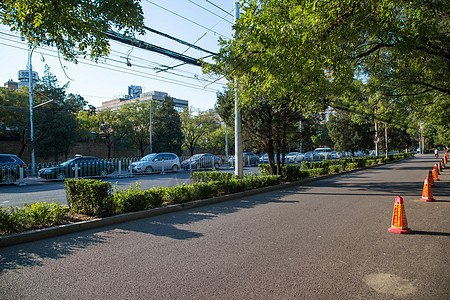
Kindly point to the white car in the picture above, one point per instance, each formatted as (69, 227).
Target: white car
(294, 157)
(324, 153)
(157, 162)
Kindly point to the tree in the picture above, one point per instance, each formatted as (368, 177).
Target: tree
(136, 118)
(15, 116)
(55, 122)
(168, 136)
(107, 126)
(74, 27)
(266, 124)
(196, 125)
(349, 135)
(313, 50)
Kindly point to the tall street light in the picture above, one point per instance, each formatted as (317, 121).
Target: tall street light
(30, 85)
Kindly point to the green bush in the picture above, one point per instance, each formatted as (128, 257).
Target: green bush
(351, 166)
(316, 172)
(90, 197)
(31, 216)
(335, 168)
(211, 176)
(134, 199)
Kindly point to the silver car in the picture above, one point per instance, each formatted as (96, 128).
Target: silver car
(156, 162)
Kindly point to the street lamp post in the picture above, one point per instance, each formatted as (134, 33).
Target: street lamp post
(30, 85)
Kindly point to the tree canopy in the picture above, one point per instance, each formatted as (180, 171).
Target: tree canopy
(74, 27)
(312, 51)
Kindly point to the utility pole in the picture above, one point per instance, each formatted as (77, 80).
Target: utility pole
(226, 141)
(239, 168)
(386, 138)
(30, 86)
(300, 146)
(150, 129)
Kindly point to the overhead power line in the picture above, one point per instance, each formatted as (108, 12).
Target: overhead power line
(178, 15)
(223, 18)
(147, 46)
(219, 8)
(178, 40)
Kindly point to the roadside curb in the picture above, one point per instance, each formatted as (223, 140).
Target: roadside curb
(30, 236)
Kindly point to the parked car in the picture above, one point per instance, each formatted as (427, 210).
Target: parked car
(324, 153)
(86, 166)
(265, 160)
(294, 157)
(156, 162)
(202, 161)
(312, 156)
(248, 159)
(10, 168)
(335, 155)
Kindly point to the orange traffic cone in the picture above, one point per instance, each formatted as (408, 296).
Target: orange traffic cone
(399, 222)
(435, 175)
(430, 178)
(427, 193)
(436, 165)
(445, 158)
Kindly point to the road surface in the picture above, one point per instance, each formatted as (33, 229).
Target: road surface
(323, 240)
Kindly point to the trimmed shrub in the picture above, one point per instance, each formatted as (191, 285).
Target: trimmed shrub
(351, 166)
(211, 176)
(90, 197)
(31, 216)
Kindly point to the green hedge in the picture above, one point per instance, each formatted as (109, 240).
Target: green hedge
(90, 197)
(31, 216)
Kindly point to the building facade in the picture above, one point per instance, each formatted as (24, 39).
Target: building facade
(134, 95)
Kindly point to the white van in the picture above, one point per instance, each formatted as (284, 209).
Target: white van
(324, 153)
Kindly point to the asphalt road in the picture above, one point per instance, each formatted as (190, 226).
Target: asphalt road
(40, 190)
(323, 240)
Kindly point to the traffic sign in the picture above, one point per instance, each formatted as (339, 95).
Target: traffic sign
(376, 140)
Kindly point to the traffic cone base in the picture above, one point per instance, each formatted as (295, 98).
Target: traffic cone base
(399, 230)
(399, 222)
(427, 193)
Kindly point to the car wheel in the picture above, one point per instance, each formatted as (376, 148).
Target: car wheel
(9, 178)
(175, 168)
(61, 175)
(103, 173)
(216, 166)
(149, 169)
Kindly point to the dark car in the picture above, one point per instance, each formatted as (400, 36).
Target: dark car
(248, 159)
(10, 168)
(202, 161)
(86, 166)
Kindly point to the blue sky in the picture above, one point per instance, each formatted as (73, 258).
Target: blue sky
(194, 21)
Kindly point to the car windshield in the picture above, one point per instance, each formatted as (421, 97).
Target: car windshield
(66, 163)
(196, 156)
(149, 157)
(291, 154)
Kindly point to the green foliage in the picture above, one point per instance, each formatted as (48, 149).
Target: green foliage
(168, 135)
(212, 176)
(135, 199)
(349, 135)
(31, 216)
(15, 116)
(197, 126)
(108, 126)
(90, 197)
(76, 28)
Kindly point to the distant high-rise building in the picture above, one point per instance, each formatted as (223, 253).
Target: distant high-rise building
(115, 104)
(23, 76)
